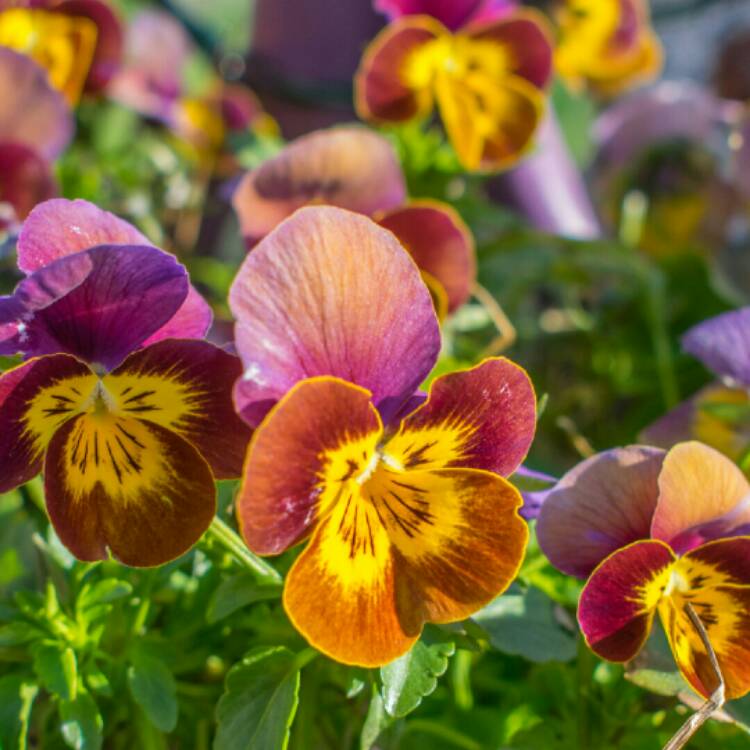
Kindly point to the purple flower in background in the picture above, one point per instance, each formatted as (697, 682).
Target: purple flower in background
(453, 14)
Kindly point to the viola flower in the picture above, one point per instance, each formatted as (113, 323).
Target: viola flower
(717, 414)
(354, 168)
(487, 80)
(607, 45)
(129, 418)
(35, 126)
(408, 516)
(654, 532)
(78, 42)
(670, 144)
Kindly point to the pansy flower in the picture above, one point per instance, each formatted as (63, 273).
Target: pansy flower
(607, 45)
(487, 79)
(354, 168)
(718, 414)
(35, 126)
(670, 144)
(654, 532)
(401, 500)
(78, 42)
(453, 14)
(128, 416)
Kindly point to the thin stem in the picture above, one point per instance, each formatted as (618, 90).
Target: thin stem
(717, 699)
(223, 535)
(506, 330)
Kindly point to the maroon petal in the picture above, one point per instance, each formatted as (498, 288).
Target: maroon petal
(27, 179)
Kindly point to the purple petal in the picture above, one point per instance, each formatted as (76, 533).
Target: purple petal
(547, 188)
(602, 504)
(723, 344)
(58, 228)
(98, 305)
(31, 111)
(329, 292)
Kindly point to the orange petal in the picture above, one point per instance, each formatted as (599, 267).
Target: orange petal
(314, 442)
(349, 167)
(126, 485)
(481, 418)
(440, 243)
(384, 90)
(702, 494)
(715, 580)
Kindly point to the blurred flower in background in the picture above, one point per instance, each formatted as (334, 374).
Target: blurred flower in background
(607, 45)
(486, 78)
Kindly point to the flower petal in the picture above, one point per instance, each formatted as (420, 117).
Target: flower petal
(323, 432)
(717, 580)
(350, 167)
(186, 386)
(102, 303)
(440, 243)
(458, 532)
(451, 13)
(36, 398)
(60, 227)
(482, 418)
(619, 601)
(604, 503)
(702, 495)
(527, 36)
(381, 91)
(31, 111)
(402, 549)
(723, 344)
(310, 300)
(109, 39)
(348, 595)
(129, 486)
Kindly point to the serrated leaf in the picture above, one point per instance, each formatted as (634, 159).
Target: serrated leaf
(413, 676)
(524, 625)
(237, 592)
(81, 723)
(17, 696)
(153, 688)
(375, 722)
(56, 667)
(259, 702)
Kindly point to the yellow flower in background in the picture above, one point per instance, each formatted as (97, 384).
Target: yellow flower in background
(487, 81)
(607, 45)
(62, 44)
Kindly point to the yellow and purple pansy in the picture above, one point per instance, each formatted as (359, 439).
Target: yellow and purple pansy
(354, 168)
(718, 414)
(486, 73)
(654, 532)
(401, 496)
(78, 42)
(35, 126)
(607, 45)
(121, 405)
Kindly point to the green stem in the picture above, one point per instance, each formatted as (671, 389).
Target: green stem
(425, 726)
(223, 535)
(461, 672)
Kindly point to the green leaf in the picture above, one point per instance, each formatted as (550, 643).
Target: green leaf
(526, 483)
(17, 696)
(525, 625)
(259, 702)
(81, 723)
(375, 722)
(408, 679)
(153, 688)
(55, 665)
(661, 683)
(739, 710)
(103, 592)
(237, 592)
(17, 633)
